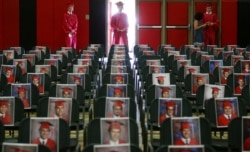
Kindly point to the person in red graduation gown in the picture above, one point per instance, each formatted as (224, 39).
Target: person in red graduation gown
(4, 115)
(225, 118)
(186, 136)
(119, 25)
(114, 133)
(70, 25)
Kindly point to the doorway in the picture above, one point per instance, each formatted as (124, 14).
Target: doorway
(129, 9)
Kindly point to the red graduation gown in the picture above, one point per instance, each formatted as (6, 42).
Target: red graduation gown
(70, 23)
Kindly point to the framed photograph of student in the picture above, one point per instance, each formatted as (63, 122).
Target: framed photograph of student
(119, 78)
(169, 108)
(240, 81)
(19, 147)
(117, 90)
(157, 69)
(226, 55)
(200, 53)
(56, 56)
(214, 64)
(187, 46)
(46, 69)
(76, 78)
(22, 63)
(153, 62)
(173, 53)
(86, 56)
(117, 108)
(7, 110)
(240, 51)
(9, 71)
(206, 58)
(41, 48)
(60, 108)
(118, 69)
(191, 69)
(245, 66)
(52, 62)
(9, 54)
(38, 79)
(212, 91)
(231, 47)
(183, 63)
(23, 92)
(192, 148)
(198, 79)
(112, 148)
(235, 59)
(119, 56)
(17, 49)
(63, 52)
(45, 131)
(180, 57)
(193, 49)
(245, 133)
(185, 131)
(84, 62)
(115, 131)
(30, 58)
(38, 53)
(217, 51)
(224, 72)
(66, 90)
(226, 109)
(81, 69)
(161, 79)
(166, 91)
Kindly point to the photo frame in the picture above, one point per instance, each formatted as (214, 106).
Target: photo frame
(214, 64)
(50, 125)
(66, 90)
(38, 79)
(161, 79)
(213, 91)
(198, 79)
(118, 62)
(23, 92)
(110, 148)
(87, 56)
(22, 63)
(76, 78)
(227, 54)
(30, 57)
(196, 148)
(7, 110)
(17, 49)
(81, 69)
(211, 47)
(169, 108)
(117, 108)
(156, 62)
(9, 147)
(119, 78)
(231, 47)
(166, 91)
(240, 51)
(245, 66)
(10, 73)
(224, 72)
(52, 62)
(60, 108)
(109, 125)
(240, 80)
(217, 51)
(46, 69)
(185, 131)
(117, 90)
(119, 56)
(173, 53)
(235, 59)
(226, 109)
(191, 69)
(245, 134)
(180, 57)
(157, 69)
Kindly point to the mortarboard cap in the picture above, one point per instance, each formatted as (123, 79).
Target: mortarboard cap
(226, 70)
(240, 77)
(199, 78)
(118, 103)
(160, 77)
(114, 125)
(165, 89)
(77, 78)
(118, 77)
(70, 4)
(3, 102)
(45, 125)
(215, 89)
(119, 3)
(59, 103)
(118, 91)
(185, 125)
(21, 89)
(35, 77)
(191, 70)
(169, 104)
(66, 89)
(227, 103)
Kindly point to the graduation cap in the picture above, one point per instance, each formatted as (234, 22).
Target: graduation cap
(67, 89)
(208, 4)
(170, 104)
(246, 62)
(215, 89)
(160, 77)
(45, 125)
(119, 3)
(240, 78)
(199, 78)
(185, 125)
(85, 62)
(118, 91)
(59, 103)
(70, 4)
(227, 103)
(118, 103)
(81, 68)
(165, 89)
(3, 102)
(21, 89)
(184, 63)
(8, 69)
(118, 77)
(191, 70)
(216, 63)
(43, 69)
(19, 62)
(35, 77)
(51, 62)
(226, 70)
(77, 78)
(114, 124)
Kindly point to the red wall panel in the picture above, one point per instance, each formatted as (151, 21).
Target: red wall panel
(1, 25)
(229, 21)
(151, 37)
(150, 13)
(10, 21)
(49, 23)
(177, 37)
(180, 11)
